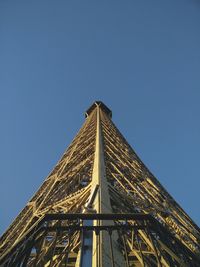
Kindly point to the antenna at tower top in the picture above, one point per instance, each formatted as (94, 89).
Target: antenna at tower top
(101, 105)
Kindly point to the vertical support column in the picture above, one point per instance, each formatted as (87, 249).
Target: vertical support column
(86, 248)
(84, 258)
(101, 250)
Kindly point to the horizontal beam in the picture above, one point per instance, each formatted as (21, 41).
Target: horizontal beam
(95, 228)
(98, 216)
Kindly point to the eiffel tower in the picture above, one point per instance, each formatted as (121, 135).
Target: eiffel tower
(101, 206)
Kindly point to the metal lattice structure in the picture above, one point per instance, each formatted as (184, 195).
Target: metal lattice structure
(101, 206)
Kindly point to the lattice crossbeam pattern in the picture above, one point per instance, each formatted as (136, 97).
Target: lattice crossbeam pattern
(128, 174)
(57, 238)
(66, 189)
(101, 207)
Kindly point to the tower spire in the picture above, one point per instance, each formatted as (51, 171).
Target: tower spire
(101, 105)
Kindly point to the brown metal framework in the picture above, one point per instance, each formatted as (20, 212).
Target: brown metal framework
(101, 206)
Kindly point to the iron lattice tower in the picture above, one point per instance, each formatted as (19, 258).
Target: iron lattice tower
(101, 206)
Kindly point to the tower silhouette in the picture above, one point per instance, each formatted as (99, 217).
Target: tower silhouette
(101, 206)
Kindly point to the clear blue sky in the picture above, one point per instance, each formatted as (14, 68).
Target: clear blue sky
(142, 58)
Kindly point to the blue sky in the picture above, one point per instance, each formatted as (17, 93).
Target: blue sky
(141, 58)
